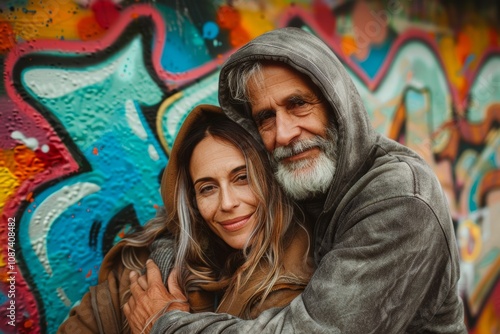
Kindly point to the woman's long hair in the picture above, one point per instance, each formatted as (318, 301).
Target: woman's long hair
(202, 256)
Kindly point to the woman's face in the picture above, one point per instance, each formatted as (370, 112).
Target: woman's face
(223, 195)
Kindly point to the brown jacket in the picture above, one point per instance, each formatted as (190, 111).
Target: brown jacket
(100, 310)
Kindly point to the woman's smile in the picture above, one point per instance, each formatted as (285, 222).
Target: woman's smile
(224, 197)
(236, 223)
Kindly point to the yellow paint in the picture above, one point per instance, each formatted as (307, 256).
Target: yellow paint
(159, 119)
(255, 23)
(489, 321)
(46, 20)
(469, 231)
(9, 185)
(451, 62)
(478, 34)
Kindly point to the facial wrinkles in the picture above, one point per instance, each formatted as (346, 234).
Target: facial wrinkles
(279, 118)
(300, 146)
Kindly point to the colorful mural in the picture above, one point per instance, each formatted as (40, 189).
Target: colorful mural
(94, 92)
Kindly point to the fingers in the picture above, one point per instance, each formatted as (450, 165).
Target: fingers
(173, 286)
(153, 272)
(143, 282)
(135, 288)
(126, 308)
(129, 306)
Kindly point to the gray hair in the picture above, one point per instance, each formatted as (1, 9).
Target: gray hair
(238, 79)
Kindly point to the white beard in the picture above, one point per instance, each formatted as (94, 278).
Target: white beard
(307, 177)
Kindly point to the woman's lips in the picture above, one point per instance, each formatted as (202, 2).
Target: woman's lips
(235, 223)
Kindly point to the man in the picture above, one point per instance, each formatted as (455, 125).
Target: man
(383, 239)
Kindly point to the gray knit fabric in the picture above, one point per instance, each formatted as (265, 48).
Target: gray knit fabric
(162, 253)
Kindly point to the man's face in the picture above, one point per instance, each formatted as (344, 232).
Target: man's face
(286, 108)
(293, 123)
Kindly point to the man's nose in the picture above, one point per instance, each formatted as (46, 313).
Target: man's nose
(228, 200)
(287, 128)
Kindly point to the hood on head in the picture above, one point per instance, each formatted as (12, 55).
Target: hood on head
(309, 55)
(169, 177)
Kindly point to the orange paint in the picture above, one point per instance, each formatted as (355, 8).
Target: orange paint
(348, 46)
(22, 162)
(95, 151)
(28, 324)
(463, 47)
(228, 17)
(7, 37)
(238, 37)
(89, 29)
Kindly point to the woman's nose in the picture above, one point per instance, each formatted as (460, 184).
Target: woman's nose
(228, 199)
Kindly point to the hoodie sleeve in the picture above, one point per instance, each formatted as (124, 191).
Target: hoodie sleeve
(383, 275)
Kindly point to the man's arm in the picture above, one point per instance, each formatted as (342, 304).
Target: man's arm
(390, 269)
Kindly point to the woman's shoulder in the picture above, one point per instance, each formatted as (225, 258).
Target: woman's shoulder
(113, 263)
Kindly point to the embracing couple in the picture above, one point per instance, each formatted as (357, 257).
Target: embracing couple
(285, 212)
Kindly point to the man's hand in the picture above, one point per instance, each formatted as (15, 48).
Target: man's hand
(149, 298)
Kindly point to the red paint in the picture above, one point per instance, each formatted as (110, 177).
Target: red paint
(89, 273)
(228, 17)
(106, 13)
(324, 16)
(493, 39)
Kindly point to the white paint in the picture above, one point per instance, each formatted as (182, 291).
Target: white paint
(190, 98)
(49, 210)
(31, 143)
(63, 82)
(134, 121)
(153, 153)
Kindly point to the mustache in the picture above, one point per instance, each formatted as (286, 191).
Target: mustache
(298, 147)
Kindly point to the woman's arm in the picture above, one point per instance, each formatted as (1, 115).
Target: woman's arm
(98, 311)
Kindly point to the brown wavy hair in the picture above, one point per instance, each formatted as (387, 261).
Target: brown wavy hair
(201, 255)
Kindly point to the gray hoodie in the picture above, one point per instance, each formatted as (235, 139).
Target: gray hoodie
(384, 243)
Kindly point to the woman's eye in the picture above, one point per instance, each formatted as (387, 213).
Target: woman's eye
(242, 178)
(206, 190)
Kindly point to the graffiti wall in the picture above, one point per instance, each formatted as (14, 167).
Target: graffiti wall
(94, 92)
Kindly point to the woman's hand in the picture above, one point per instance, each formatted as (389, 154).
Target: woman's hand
(149, 298)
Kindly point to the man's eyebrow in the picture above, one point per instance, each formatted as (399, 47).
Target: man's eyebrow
(307, 96)
(261, 115)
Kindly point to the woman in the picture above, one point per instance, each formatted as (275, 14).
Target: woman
(239, 248)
